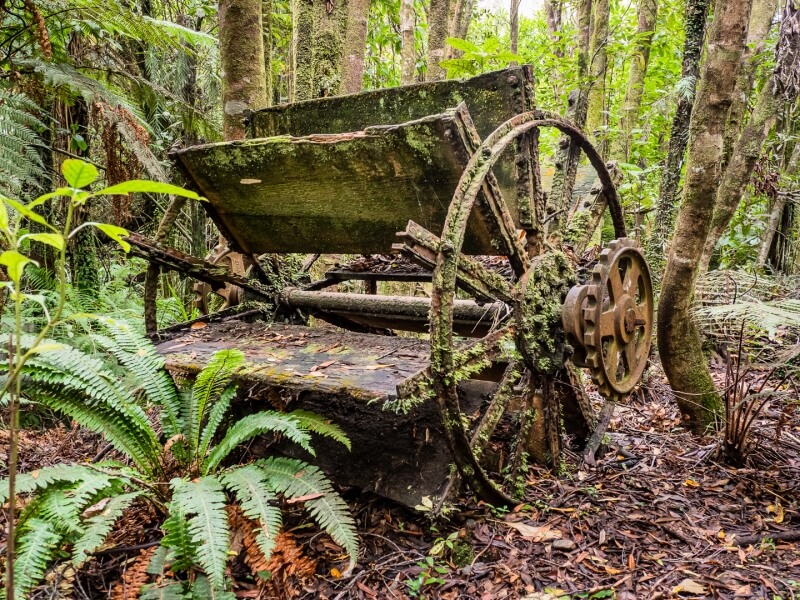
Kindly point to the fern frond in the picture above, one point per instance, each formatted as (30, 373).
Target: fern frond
(51, 505)
(36, 546)
(215, 416)
(250, 487)
(46, 476)
(209, 385)
(99, 526)
(267, 421)
(138, 355)
(20, 163)
(169, 590)
(178, 539)
(203, 501)
(203, 590)
(297, 479)
(321, 426)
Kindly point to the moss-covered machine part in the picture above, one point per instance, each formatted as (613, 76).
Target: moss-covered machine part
(446, 177)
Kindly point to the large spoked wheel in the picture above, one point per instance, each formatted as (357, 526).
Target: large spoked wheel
(533, 329)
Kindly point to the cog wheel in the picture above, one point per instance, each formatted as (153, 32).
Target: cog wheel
(230, 295)
(610, 320)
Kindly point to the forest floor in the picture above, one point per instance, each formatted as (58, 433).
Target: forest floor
(657, 516)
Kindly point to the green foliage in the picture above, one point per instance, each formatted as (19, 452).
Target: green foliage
(475, 59)
(20, 124)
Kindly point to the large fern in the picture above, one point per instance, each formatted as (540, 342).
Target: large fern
(98, 526)
(36, 547)
(250, 486)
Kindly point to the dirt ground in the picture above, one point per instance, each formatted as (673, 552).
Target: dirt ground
(657, 516)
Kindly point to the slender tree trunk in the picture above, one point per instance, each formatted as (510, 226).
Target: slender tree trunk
(514, 25)
(648, 12)
(266, 20)
(554, 10)
(695, 26)
(595, 114)
(568, 153)
(241, 49)
(740, 168)
(408, 53)
(678, 340)
(355, 43)
(760, 23)
(778, 207)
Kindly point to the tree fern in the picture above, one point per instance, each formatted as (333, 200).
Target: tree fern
(20, 164)
(99, 526)
(35, 549)
(267, 421)
(209, 384)
(203, 501)
(249, 485)
(297, 479)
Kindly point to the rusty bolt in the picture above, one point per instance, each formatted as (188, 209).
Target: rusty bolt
(512, 80)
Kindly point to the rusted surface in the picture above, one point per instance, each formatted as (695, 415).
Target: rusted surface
(301, 358)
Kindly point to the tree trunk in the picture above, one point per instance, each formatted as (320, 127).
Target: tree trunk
(678, 340)
(760, 23)
(595, 114)
(695, 26)
(355, 44)
(648, 11)
(266, 20)
(566, 159)
(554, 10)
(778, 207)
(438, 30)
(514, 25)
(408, 54)
(241, 49)
(740, 168)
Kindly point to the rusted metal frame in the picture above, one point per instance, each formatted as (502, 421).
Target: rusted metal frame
(175, 260)
(337, 275)
(421, 246)
(491, 203)
(490, 346)
(530, 193)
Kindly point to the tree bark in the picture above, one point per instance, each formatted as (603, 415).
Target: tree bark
(266, 20)
(648, 12)
(514, 25)
(778, 207)
(355, 43)
(241, 49)
(408, 54)
(740, 168)
(695, 26)
(554, 10)
(678, 340)
(568, 153)
(760, 23)
(438, 31)
(595, 114)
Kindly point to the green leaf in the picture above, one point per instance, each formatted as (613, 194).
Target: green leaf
(28, 213)
(144, 186)
(78, 173)
(3, 218)
(15, 263)
(59, 193)
(462, 45)
(51, 239)
(115, 233)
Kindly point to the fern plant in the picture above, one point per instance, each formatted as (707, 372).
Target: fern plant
(20, 164)
(76, 506)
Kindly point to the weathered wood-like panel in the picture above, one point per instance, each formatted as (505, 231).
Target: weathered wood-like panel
(492, 99)
(340, 193)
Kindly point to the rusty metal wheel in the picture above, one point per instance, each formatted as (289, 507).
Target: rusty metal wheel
(532, 324)
(230, 295)
(610, 320)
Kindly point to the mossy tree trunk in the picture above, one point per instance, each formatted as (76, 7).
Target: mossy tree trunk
(408, 53)
(740, 167)
(266, 22)
(554, 12)
(667, 205)
(648, 12)
(439, 19)
(241, 48)
(678, 340)
(757, 32)
(568, 153)
(595, 113)
(779, 206)
(328, 44)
